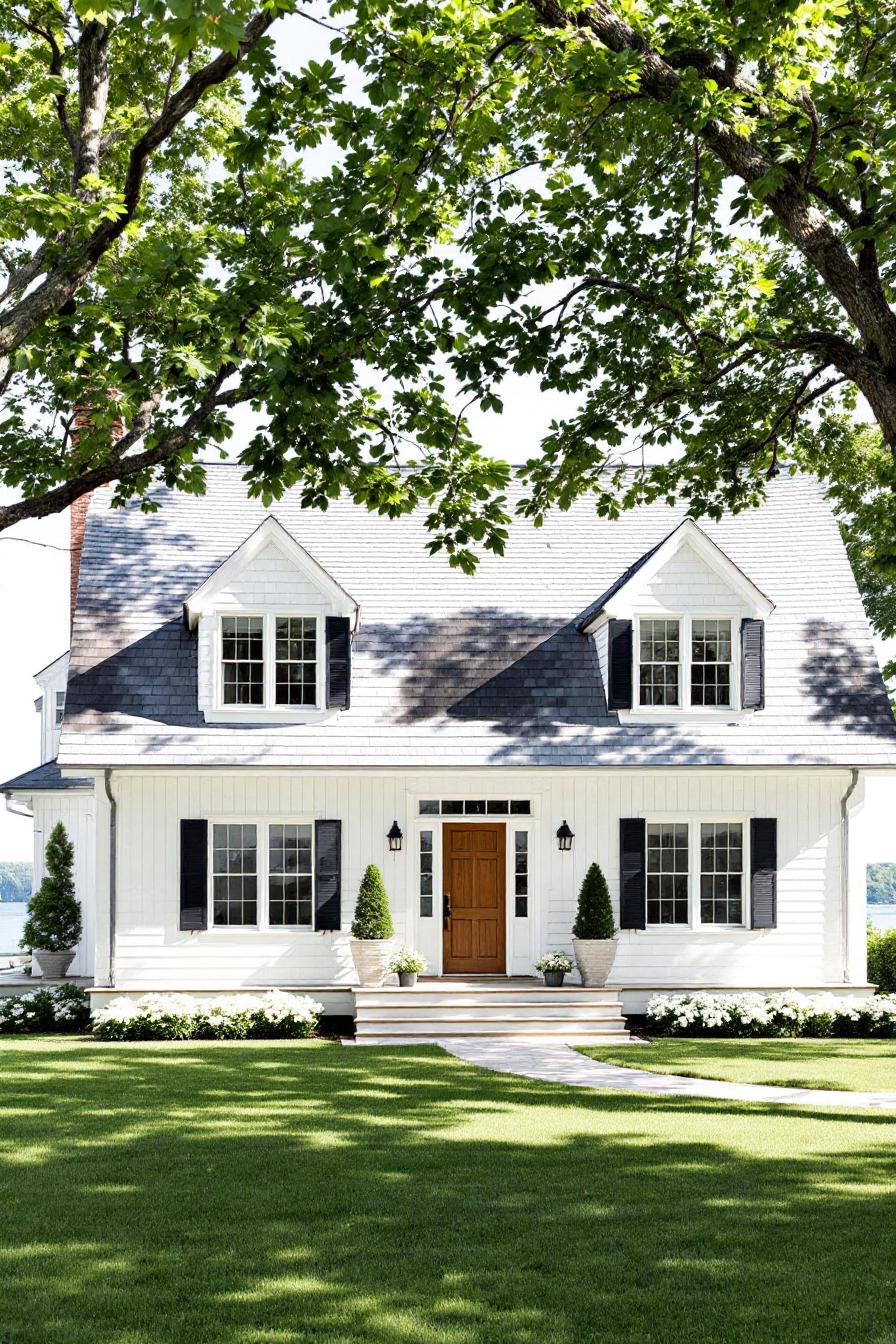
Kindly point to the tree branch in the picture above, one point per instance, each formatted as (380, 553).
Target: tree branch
(860, 296)
(76, 263)
(120, 467)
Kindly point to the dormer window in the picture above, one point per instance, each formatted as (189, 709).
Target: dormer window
(269, 662)
(242, 660)
(685, 662)
(660, 666)
(273, 633)
(662, 653)
(296, 660)
(711, 663)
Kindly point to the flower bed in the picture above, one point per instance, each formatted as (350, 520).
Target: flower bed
(786, 1013)
(61, 1008)
(273, 1015)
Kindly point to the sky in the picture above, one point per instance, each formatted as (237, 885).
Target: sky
(34, 572)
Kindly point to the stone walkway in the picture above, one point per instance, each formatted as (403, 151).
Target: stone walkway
(558, 1063)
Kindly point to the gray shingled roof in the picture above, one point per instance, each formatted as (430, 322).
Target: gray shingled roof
(452, 670)
(46, 778)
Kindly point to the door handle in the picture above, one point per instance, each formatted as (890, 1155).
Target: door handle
(446, 909)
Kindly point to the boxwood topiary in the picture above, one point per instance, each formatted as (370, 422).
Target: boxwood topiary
(373, 918)
(594, 918)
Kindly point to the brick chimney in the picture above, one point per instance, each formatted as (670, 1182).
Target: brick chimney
(81, 506)
(78, 522)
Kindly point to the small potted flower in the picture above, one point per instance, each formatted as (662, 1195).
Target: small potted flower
(553, 966)
(407, 965)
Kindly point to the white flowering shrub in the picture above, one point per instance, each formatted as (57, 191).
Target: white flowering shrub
(781, 1013)
(60, 1008)
(269, 1015)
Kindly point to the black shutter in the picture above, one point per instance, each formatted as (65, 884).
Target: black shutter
(752, 664)
(619, 691)
(194, 874)
(764, 872)
(327, 874)
(339, 662)
(632, 873)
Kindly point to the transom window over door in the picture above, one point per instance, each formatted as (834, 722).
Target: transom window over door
(711, 662)
(667, 872)
(659, 662)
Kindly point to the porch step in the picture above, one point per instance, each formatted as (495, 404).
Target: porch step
(428, 1012)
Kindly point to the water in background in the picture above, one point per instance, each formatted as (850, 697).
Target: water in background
(12, 917)
(879, 916)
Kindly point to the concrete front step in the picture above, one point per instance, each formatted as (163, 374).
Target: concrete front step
(557, 1000)
(552, 1038)
(435, 1027)
(491, 1012)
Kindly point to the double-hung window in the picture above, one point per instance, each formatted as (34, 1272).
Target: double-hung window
(262, 874)
(711, 662)
(685, 662)
(695, 873)
(269, 662)
(660, 654)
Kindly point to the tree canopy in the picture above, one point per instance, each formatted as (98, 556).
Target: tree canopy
(679, 214)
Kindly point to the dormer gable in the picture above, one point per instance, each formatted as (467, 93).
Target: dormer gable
(274, 632)
(681, 632)
(657, 569)
(267, 568)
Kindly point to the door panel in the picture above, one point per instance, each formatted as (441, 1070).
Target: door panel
(474, 881)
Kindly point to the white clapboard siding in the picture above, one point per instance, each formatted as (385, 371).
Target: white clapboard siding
(805, 948)
(76, 812)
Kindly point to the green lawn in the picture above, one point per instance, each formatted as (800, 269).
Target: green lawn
(847, 1065)
(270, 1194)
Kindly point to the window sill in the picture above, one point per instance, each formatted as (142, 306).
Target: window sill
(706, 929)
(647, 715)
(276, 929)
(257, 717)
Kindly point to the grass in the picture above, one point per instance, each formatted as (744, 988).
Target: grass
(839, 1065)
(258, 1193)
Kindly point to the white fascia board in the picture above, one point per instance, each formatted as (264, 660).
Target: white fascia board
(686, 534)
(202, 601)
(55, 671)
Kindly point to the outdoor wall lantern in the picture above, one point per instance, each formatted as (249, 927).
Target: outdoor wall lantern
(564, 836)
(395, 837)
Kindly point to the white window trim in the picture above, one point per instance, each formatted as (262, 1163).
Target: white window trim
(693, 821)
(684, 709)
(270, 711)
(262, 827)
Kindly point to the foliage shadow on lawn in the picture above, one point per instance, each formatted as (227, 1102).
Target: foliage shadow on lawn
(278, 1195)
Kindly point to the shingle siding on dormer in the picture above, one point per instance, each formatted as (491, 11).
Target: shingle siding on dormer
(269, 581)
(687, 584)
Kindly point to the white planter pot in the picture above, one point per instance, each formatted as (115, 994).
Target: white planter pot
(371, 957)
(594, 958)
(53, 965)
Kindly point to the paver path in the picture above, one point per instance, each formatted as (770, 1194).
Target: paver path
(558, 1063)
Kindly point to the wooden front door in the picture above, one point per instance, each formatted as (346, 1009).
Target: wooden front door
(475, 891)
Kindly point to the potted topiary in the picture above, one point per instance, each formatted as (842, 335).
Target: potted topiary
(372, 929)
(407, 965)
(554, 966)
(594, 933)
(53, 926)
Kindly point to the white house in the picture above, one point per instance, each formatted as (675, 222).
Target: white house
(256, 698)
